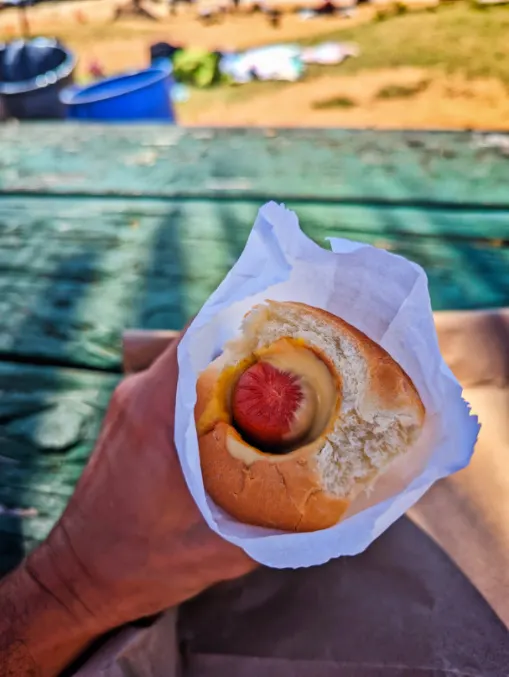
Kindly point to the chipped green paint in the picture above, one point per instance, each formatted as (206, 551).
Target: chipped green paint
(457, 167)
(75, 273)
(49, 420)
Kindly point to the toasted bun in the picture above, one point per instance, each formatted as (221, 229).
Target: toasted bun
(369, 413)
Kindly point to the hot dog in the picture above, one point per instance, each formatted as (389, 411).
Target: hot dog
(299, 414)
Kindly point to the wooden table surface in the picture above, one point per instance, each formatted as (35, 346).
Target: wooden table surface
(107, 228)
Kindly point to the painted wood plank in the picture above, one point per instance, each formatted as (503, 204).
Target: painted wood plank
(49, 420)
(75, 273)
(108, 220)
(304, 164)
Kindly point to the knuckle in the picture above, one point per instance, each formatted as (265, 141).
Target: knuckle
(124, 394)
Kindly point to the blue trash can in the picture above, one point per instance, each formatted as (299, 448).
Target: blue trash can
(32, 73)
(140, 96)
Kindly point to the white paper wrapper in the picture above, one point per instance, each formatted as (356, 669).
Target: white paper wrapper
(383, 295)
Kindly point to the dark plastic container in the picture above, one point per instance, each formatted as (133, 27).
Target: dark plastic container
(32, 73)
(140, 96)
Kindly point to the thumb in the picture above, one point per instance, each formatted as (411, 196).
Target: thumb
(162, 375)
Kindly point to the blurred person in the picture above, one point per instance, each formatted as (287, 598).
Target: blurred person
(96, 70)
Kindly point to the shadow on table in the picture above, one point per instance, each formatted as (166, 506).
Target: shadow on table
(161, 302)
(50, 415)
(189, 260)
(30, 414)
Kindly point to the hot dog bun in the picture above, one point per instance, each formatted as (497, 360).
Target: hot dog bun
(366, 412)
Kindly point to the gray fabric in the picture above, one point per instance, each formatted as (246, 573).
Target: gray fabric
(138, 652)
(402, 607)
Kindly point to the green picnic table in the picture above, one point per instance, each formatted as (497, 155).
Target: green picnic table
(107, 228)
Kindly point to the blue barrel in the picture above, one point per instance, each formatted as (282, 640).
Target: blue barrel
(140, 96)
(32, 73)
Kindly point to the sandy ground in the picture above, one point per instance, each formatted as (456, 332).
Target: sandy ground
(445, 102)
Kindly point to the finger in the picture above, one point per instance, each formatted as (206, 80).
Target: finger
(162, 375)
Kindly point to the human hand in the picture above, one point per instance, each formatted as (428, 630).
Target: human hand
(132, 541)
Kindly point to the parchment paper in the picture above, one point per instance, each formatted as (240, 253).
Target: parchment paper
(383, 295)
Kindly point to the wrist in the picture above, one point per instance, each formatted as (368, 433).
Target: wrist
(42, 627)
(54, 568)
(77, 559)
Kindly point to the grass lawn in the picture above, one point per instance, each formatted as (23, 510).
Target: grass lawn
(455, 51)
(456, 37)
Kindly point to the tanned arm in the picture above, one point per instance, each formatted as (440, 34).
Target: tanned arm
(41, 629)
(130, 543)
